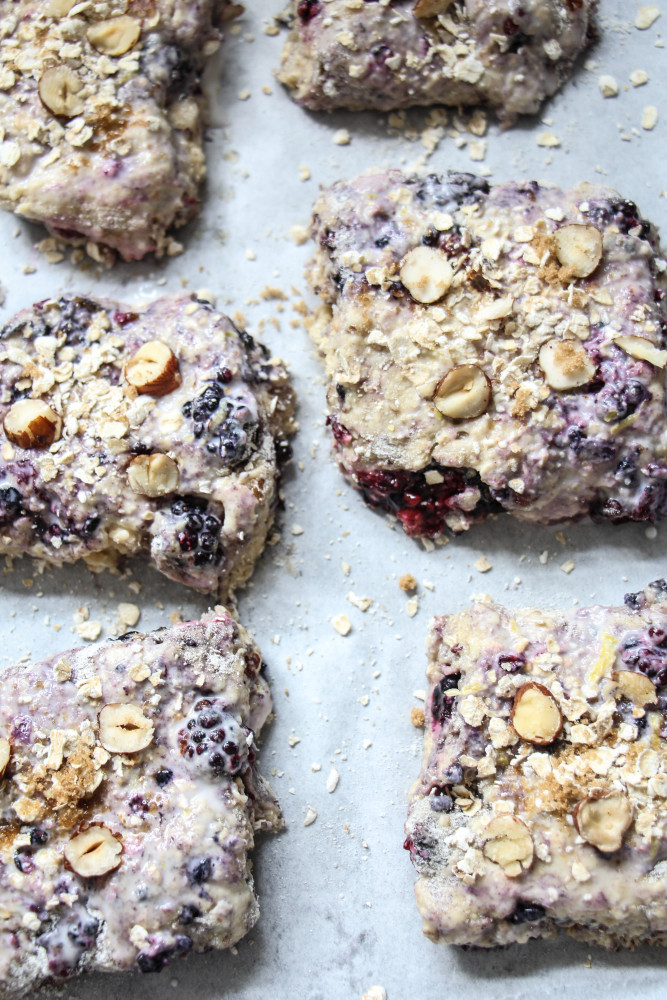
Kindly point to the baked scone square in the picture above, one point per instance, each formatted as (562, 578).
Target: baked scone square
(492, 348)
(101, 117)
(156, 430)
(542, 801)
(130, 799)
(400, 53)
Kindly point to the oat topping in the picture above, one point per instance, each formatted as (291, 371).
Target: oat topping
(101, 118)
(527, 378)
(127, 826)
(120, 443)
(542, 802)
(400, 53)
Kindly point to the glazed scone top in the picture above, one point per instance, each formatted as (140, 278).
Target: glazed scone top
(505, 300)
(597, 742)
(90, 96)
(172, 874)
(398, 53)
(212, 423)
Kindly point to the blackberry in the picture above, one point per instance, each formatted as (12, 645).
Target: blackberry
(525, 913)
(646, 652)
(228, 422)
(307, 10)
(511, 663)
(76, 314)
(10, 504)
(163, 776)
(200, 870)
(442, 704)
(68, 939)
(199, 533)
(215, 740)
(156, 961)
(616, 402)
(189, 914)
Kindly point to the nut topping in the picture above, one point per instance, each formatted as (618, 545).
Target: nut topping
(637, 688)
(5, 751)
(153, 475)
(639, 347)
(59, 89)
(124, 728)
(59, 8)
(536, 716)
(464, 392)
(93, 852)
(153, 369)
(426, 273)
(430, 8)
(115, 36)
(579, 249)
(603, 819)
(31, 423)
(565, 364)
(508, 843)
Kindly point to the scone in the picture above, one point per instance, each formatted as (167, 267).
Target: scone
(101, 113)
(492, 349)
(156, 431)
(400, 53)
(130, 797)
(542, 802)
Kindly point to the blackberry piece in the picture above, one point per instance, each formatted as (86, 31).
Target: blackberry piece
(616, 402)
(200, 870)
(198, 530)
(510, 663)
(441, 704)
(10, 504)
(76, 314)
(646, 652)
(307, 10)
(215, 740)
(163, 776)
(67, 940)
(228, 423)
(525, 913)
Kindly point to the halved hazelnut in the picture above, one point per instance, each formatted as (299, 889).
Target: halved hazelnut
(603, 819)
(640, 347)
(536, 716)
(31, 423)
(124, 728)
(637, 688)
(153, 369)
(565, 364)
(426, 273)
(59, 88)
(430, 8)
(5, 752)
(93, 852)
(464, 392)
(115, 36)
(153, 475)
(578, 248)
(508, 843)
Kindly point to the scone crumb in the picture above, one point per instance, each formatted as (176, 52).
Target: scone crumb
(412, 607)
(638, 77)
(483, 565)
(646, 16)
(363, 603)
(649, 117)
(375, 993)
(342, 137)
(568, 566)
(342, 624)
(332, 780)
(310, 817)
(407, 583)
(608, 86)
(417, 717)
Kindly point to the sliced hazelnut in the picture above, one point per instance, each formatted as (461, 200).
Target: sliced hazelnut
(640, 347)
(153, 369)
(5, 752)
(578, 248)
(153, 475)
(426, 273)
(59, 89)
(637, 688)
(536, 716)
(31, 423)
(464, 392)
(566, 364)
(508, 843)
(93, 852)
(430, 8)
(124, 728)
(603, 819)
(115, 36)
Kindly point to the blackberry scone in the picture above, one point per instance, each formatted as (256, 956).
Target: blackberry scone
(130, 798)
(542, 802)
(101, 117)
(156, 431)
(400, 53)
(492, 348)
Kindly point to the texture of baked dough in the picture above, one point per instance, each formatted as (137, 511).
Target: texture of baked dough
(575, 420)
(219, 423)
(184, 881)
(384, 55)
(113, 154)
(502, 848)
